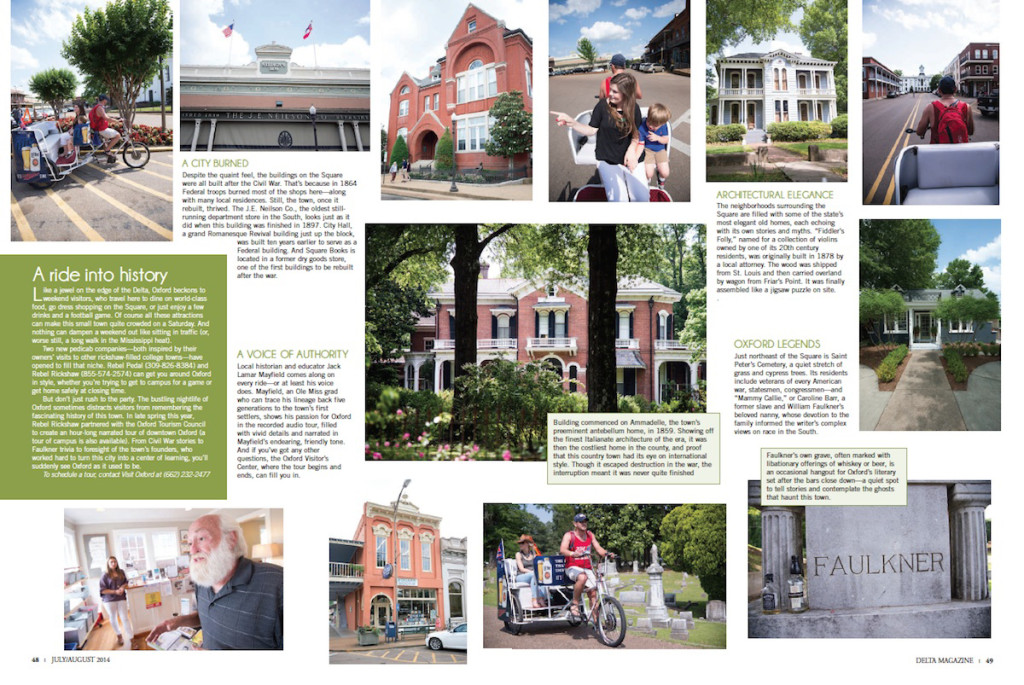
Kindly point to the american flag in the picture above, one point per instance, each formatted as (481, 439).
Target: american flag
(228, 29)
(501, 552)
(309, 30)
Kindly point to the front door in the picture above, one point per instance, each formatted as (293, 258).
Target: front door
(751, 118)
(923, 325)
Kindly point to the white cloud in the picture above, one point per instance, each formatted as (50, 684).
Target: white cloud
(993, 278)
(870, 39)
(365, 21)
(619, 3)
(22, 58)
(580, 7)
(50, 20)
(354, 52)
(986, 253)
(637, 14)
(605, 31)
(203, 40)
(670, 9)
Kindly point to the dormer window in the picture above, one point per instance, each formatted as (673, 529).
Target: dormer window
(471, 26)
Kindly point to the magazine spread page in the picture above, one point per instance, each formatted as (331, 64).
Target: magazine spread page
(350, 313)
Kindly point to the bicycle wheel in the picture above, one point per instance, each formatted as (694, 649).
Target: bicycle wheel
(611, 624)
(516, 624)
(135, 154)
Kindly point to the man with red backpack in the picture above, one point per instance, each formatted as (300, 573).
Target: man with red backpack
(950, 119)
(100, 122)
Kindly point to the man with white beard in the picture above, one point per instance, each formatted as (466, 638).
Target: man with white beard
(240, 603)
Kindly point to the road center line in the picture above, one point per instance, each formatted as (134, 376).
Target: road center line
(895, 146)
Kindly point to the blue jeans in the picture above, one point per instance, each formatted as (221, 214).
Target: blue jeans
(539, 593)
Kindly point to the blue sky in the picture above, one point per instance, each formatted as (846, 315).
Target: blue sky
(341, 31)
(612, 26)
(976, 240)
(905, 34)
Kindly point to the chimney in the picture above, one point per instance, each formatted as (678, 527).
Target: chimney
(484, 268)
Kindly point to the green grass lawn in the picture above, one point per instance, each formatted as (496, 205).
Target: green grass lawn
(723, 148)
(770, 176)
(801, 147)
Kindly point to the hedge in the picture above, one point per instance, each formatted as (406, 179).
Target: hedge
(799, 130)
(955, 364)
(840, 125)
(886, 371)
(725, 134)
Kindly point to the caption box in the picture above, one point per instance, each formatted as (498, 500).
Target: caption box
(678, 449)
(834, 476)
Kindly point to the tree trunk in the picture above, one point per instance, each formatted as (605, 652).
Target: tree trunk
(603, 257)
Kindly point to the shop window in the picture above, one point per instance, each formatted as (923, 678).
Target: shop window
(455, 600)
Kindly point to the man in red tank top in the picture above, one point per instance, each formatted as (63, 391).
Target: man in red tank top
(576, 548)
(100, 122)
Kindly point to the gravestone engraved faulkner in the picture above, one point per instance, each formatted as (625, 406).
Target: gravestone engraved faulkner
(880, 556)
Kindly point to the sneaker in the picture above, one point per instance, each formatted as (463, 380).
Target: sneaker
(111, 159)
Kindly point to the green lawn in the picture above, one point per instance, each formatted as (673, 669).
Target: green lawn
(724, 148)
(801, 147)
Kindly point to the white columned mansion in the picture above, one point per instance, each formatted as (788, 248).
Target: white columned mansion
(756, 89)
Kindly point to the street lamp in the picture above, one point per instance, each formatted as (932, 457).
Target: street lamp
(312, 117)
(455, 147)
(398, 565)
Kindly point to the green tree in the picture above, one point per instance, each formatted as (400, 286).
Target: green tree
(586, 50)
(878, 305)
(54, 86)
(823, 32)
(695, 331)
(444, 156)
(511, 133)
(961, 272)
(976, 310)
(934, 83)
(400, 152)
(693, 540)
(899, 252)
(731, 21)
(506, 522)
(121, 45)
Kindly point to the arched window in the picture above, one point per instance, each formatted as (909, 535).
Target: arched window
(455, 606)
(477, 82)
(404, 91)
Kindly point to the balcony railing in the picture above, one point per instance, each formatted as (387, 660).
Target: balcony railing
(668, 345)
(481, 344)
(742, 91)
(551, 344)
(818, 91)
(627, 343)
(342, 570)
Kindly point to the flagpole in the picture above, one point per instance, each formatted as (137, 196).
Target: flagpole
(315, 64)
(230, 39)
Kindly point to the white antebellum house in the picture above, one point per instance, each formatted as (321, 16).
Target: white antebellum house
(758, 88)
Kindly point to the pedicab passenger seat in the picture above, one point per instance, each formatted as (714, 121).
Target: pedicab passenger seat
(48, 137)
(584, 148)
(964, 174)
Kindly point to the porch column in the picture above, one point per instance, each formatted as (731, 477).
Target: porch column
(213, 128)
(657, 381)
(359, 137)
(437, 374)
(969, 562)
(416, 374)
(341, 132)
(195, 136)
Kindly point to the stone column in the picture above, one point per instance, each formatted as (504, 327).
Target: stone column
(195, 136)
(969, 563)
(656, 609)
(341, 132)
(359, 137)
(213, 129)
(780, 538)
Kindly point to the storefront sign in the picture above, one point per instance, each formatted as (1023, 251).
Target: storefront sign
(407, 582)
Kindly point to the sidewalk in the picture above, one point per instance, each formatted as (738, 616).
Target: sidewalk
(923, 400)
(350, 643)
(441, 190)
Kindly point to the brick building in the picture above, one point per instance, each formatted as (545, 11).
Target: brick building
(482, 60)
(521, 321)
(977, 69)
(877, 79)
(670, 46)
(361, 595)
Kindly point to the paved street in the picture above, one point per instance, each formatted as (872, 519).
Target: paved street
(574, 93)
(404, 654)
(884, 124)
(98, 202)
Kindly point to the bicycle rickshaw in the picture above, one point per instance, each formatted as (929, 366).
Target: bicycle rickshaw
(515, 600)
(44, 155)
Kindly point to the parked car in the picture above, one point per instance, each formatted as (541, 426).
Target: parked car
(891, 94)
(988, 104)
(448, 639)
(656, 69)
